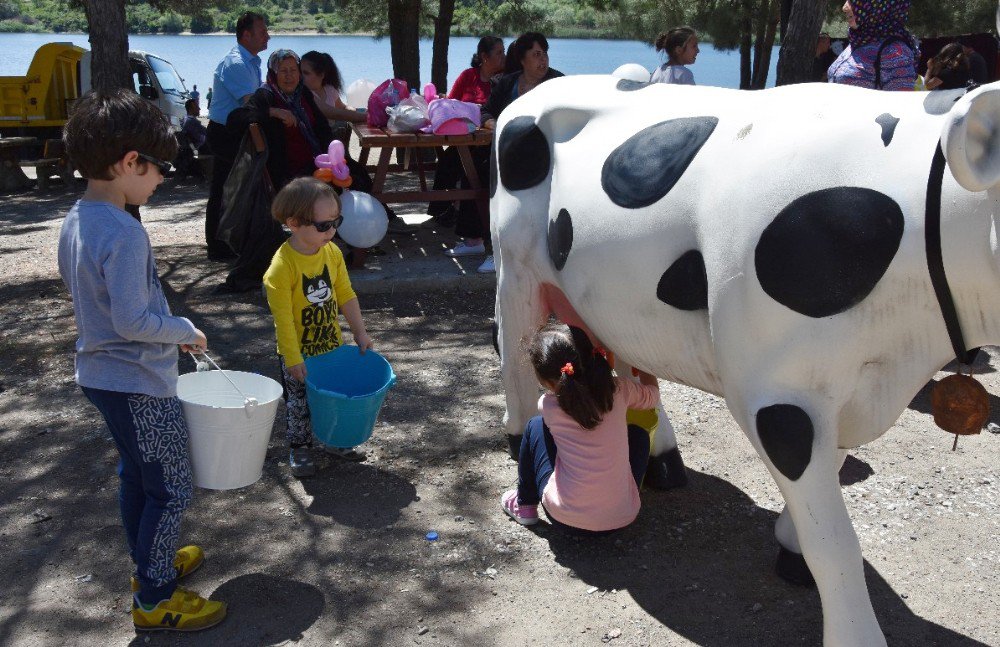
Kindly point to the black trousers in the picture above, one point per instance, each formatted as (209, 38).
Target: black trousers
(224, 152)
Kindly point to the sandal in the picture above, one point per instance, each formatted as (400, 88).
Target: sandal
(346, 453)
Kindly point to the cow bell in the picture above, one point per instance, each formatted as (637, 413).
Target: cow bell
(960, 405)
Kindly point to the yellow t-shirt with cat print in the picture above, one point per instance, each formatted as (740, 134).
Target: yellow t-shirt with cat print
(305, 294)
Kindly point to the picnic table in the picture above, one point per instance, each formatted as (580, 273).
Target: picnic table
(370, 137)
(12, 178)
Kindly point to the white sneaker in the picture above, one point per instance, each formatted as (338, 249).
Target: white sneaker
(488, 266)
(465, 249)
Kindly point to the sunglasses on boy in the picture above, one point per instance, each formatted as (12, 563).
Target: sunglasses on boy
(158, 163)
(328, 225)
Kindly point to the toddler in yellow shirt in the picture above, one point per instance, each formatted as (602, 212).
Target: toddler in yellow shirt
(307, 286)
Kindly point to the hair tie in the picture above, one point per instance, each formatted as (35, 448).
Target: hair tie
(599, 350)
(567, 369)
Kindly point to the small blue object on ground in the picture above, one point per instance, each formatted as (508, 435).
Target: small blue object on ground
(432, 536)
(345, 389)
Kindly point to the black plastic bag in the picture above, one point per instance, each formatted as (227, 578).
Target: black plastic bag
(246, 224)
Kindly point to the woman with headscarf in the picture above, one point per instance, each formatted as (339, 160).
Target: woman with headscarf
(293, 125)
(881, 53)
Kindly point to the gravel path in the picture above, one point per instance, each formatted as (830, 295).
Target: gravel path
(342, 559)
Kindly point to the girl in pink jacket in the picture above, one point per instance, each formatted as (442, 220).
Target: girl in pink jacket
(579, 458)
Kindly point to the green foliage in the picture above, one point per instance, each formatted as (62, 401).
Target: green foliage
(202, 23)
(9, 9)
(172, 23)
(17, 26)
(717, 20)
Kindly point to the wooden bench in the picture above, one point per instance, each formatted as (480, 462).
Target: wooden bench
(52, 162)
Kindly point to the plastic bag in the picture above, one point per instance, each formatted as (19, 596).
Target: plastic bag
(246, 224)
(387, 94)
(409, 116)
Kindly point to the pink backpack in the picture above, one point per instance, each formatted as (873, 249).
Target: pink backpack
(388, 93)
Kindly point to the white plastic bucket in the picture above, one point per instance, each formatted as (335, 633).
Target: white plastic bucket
(227, 440)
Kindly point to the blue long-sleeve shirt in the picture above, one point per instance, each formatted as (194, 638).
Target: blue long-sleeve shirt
(127, 336)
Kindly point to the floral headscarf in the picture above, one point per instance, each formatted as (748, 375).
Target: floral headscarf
(878, 20)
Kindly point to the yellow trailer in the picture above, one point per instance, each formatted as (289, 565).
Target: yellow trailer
(40, 100)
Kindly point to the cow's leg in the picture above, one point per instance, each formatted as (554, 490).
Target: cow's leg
(519, 312)
(799, 448)
(791, 565)
(665, 469)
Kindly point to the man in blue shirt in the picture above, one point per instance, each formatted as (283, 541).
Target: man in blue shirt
(236, 78)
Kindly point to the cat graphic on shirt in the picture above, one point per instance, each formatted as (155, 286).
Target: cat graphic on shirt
(320, 333)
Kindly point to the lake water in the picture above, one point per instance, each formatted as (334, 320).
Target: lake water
(195, 57)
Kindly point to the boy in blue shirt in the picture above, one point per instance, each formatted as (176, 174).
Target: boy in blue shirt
(126, 353)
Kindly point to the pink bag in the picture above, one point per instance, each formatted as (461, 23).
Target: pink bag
(452, 117)
(388, 93)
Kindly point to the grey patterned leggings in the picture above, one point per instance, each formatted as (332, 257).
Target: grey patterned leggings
(298, 426)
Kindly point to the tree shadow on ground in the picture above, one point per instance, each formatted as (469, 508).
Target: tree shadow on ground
(690, 546)
(262, 610)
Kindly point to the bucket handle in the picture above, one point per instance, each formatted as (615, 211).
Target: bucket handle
(248, 402)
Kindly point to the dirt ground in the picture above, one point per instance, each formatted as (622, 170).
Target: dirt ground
(342, 559)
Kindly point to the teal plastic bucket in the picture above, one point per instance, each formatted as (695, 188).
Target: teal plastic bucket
(345, 390)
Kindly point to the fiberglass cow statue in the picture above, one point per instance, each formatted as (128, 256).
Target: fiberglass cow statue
(782, 249)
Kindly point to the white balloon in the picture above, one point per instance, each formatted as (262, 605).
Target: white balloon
(365, 220)
(632, 72)
(358, 92)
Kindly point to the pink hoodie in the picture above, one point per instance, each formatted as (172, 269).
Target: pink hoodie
(592, 485)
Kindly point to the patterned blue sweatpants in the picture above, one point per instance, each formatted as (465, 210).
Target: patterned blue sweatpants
(155, 481)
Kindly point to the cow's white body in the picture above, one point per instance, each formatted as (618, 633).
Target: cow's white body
(852, 372)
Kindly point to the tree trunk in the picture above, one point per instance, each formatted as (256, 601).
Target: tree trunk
(798, 46)
(109, 67)
(442, 35)
(766, 33)
(404, 40)
(786, 11)
(746, 36)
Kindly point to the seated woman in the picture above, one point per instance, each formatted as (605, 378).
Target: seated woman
(322, 76)
(528, 57)
(295, 128)
(949, 70)
(881, 54)
(473, 85)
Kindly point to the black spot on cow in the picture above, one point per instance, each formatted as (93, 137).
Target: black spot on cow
(685, 285)
(888, 123)
(493, 166)
(560, 238)
(644, 168)
(786, 432)
(627, 85)
(524, 154)
(940, 102)
(826, 251)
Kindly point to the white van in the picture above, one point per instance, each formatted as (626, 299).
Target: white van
(154, 78)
